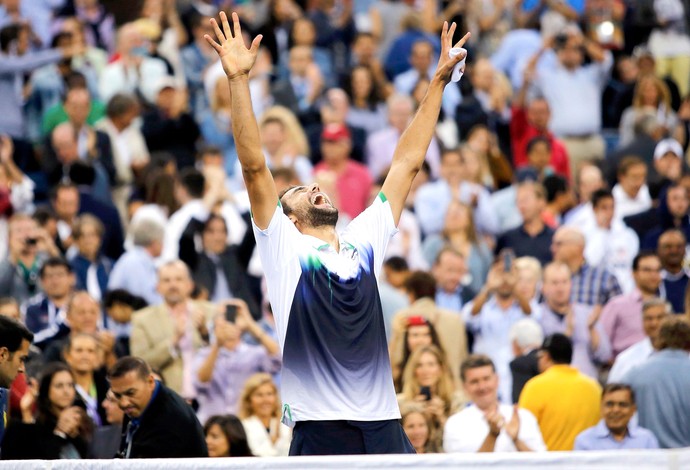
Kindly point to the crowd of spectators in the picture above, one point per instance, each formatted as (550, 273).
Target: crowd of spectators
(535, 298)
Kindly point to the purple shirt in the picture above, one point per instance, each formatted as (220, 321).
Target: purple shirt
(585, 357)
(622, 321)
(599, 438)
(220, 395)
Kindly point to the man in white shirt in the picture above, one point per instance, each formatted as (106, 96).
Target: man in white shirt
(631, 192)
(336, 379)
(487, 425)
(609, 241)
(654, 311)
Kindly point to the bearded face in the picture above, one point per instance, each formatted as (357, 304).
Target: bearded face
(310, 206)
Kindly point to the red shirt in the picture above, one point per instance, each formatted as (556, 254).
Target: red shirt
(521, 132)
(353, 186)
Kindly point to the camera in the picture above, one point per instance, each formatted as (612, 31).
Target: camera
(31, 241)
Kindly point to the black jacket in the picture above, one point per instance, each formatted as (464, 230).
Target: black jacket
(523, 368)
(168, 429)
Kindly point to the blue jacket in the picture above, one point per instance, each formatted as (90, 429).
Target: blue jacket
(80, 266)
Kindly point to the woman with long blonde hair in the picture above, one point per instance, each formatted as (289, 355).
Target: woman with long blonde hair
(651, 96)
(259, 410)
(427, 381)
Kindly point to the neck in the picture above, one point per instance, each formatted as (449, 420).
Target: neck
(558, 307)
(338, 165)
(504, 301)
(575, 264)
(59, 301)
(619, 434)
(83, 379)
(533, 226)
(265, 420)
(488, 407)
(646, 293)
(457, 237)
(673, 269)
(326, 233)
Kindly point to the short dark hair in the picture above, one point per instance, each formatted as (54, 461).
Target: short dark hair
(122, 296)
(54, 262)
(555, 185)
(599, 195)
(627, 163)
(212, 218)
(447, 249)
(397, 264)
(618, 387)
(12, 333)
(234, 432)
(60, 186)
(420, 284)
(674, 334)
(128, 364)
(642, 255)
(475, 361)
(193, 181)
(559, 347)
(120, 104)
(534, 141)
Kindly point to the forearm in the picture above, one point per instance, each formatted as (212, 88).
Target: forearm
(480, 300)
(206, 370)
(245, 130)
(564, 9)
(489, 443)
(521, 446)
(264, 339)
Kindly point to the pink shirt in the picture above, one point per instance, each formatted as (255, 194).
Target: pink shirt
(622, 321)
(353, 186)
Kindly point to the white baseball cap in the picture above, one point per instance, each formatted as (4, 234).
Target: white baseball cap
(668, 145)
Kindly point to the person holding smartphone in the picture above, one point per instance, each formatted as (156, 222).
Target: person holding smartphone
(221, 368)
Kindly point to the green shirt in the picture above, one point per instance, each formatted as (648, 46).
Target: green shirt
(56, 115)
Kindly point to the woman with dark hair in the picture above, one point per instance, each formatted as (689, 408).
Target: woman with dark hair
(225, 437)
(368, 109)
(418, 333)
(60, 430)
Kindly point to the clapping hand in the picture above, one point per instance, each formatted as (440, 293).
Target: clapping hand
(237, 60)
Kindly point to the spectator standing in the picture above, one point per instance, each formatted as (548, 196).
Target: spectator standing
(654, 312)
(674, 274)
(608, 241)
(449, 271)
(526, 337)
(91, 269)
(81, 355)
(592, 285)
(661, 384)
(135, 271)
(615, 430)
(591, 346)
(260, 410)
(222, 368)
(169, 334)
(489, 317)
(158, 423)
(564, 401)
(486, 425)
(533, 237)
(622, 316)
(673, 213)
(631, 193)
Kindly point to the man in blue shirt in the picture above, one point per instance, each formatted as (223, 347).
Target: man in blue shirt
(15, 340)
(615, 431)
(661, 385)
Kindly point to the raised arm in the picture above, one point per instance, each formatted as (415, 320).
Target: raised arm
(414, 142)
(237, 61)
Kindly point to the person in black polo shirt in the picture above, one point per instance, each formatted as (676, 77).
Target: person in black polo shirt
(533, 237)
(158, 422)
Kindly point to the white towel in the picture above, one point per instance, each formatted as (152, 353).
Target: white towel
(459, 68)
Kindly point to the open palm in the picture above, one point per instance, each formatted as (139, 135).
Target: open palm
(237, 60)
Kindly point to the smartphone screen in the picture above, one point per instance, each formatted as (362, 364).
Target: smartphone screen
(231, 313)
(426, 391)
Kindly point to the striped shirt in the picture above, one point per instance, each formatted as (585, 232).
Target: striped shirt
(594, 285)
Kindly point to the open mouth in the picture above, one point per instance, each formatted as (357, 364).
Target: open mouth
(319, 200)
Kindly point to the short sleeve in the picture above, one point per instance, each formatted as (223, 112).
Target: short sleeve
(276, 243)
(374, 226)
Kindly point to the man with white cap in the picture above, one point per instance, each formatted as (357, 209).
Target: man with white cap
(668, 159)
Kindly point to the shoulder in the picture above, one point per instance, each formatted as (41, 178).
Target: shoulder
(143, 315)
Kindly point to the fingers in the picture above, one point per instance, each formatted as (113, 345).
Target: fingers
(256, 43)
(464, 39)
(449, 36)
(236, 25)
(226, 25)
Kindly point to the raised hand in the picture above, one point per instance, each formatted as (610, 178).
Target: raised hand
(237, 60)
(445, 65)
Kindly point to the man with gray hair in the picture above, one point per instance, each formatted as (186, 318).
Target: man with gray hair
(381, 145)
(526, 337)
(135, 271)
(654, 311)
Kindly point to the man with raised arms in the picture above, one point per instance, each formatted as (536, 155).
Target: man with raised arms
(336, 382)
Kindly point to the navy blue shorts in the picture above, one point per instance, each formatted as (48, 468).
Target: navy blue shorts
(349, 438)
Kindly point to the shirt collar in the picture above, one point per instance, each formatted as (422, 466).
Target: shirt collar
(602, 431)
